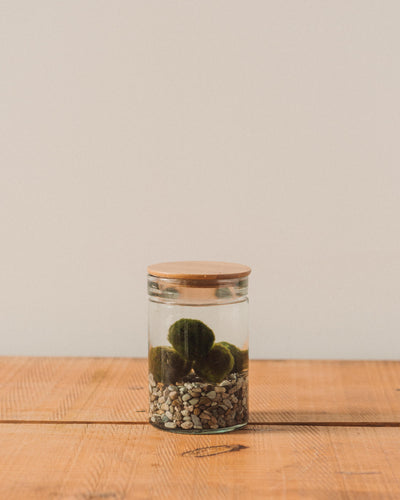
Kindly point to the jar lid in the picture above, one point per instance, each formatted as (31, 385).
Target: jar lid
(198, 270)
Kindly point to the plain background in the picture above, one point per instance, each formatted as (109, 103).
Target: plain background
(259, 132)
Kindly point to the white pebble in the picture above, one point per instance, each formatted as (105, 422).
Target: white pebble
(194, 401)
(186, 397)
(187, 425)
(170, 425)
(211, 394)
(196, 420)
(219, 389)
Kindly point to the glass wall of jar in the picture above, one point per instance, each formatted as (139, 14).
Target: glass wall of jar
(198, 346)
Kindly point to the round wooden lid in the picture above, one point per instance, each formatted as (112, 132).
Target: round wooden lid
(199, 270)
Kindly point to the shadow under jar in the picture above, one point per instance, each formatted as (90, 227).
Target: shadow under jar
(198, 346)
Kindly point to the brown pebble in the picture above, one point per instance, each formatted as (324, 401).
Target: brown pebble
(204, 401)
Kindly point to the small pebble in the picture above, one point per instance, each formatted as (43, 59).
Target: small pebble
(187, 425)
(199, 406)
(204, 401)
(196, 420)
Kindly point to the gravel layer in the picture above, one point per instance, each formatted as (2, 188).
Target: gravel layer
(195, 405)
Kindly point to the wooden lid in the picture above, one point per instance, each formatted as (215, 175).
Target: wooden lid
(198, 270)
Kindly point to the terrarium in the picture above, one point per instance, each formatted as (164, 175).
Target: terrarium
(198, 346)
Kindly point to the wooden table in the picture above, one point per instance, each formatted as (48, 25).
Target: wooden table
(76, 428)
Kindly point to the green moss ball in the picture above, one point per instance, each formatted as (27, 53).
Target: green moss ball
(245, 359)
(216, 365)
(191, 338)
(167, 366)
(237, 356)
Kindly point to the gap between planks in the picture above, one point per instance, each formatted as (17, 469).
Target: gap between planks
(145, 422)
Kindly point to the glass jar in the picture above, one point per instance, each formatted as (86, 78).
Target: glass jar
(198, 346)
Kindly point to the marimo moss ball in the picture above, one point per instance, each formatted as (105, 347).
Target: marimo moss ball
(245, 359)
(167, 366)
(191, 338)
(237, 356)
(216, 365)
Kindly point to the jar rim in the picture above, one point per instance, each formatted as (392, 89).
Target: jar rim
(199, 270)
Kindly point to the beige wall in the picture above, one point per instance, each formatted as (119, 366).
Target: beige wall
(253, 131)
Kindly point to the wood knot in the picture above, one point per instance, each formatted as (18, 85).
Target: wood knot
(208, 451)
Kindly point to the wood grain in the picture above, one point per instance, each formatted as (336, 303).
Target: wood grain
(199, 270)
(115, 390)
(94, 461)
(73, 389)
(325, 391)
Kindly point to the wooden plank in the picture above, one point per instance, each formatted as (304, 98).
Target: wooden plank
(115, 390)
(325, 391)
(73, 389)
(94, 461)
